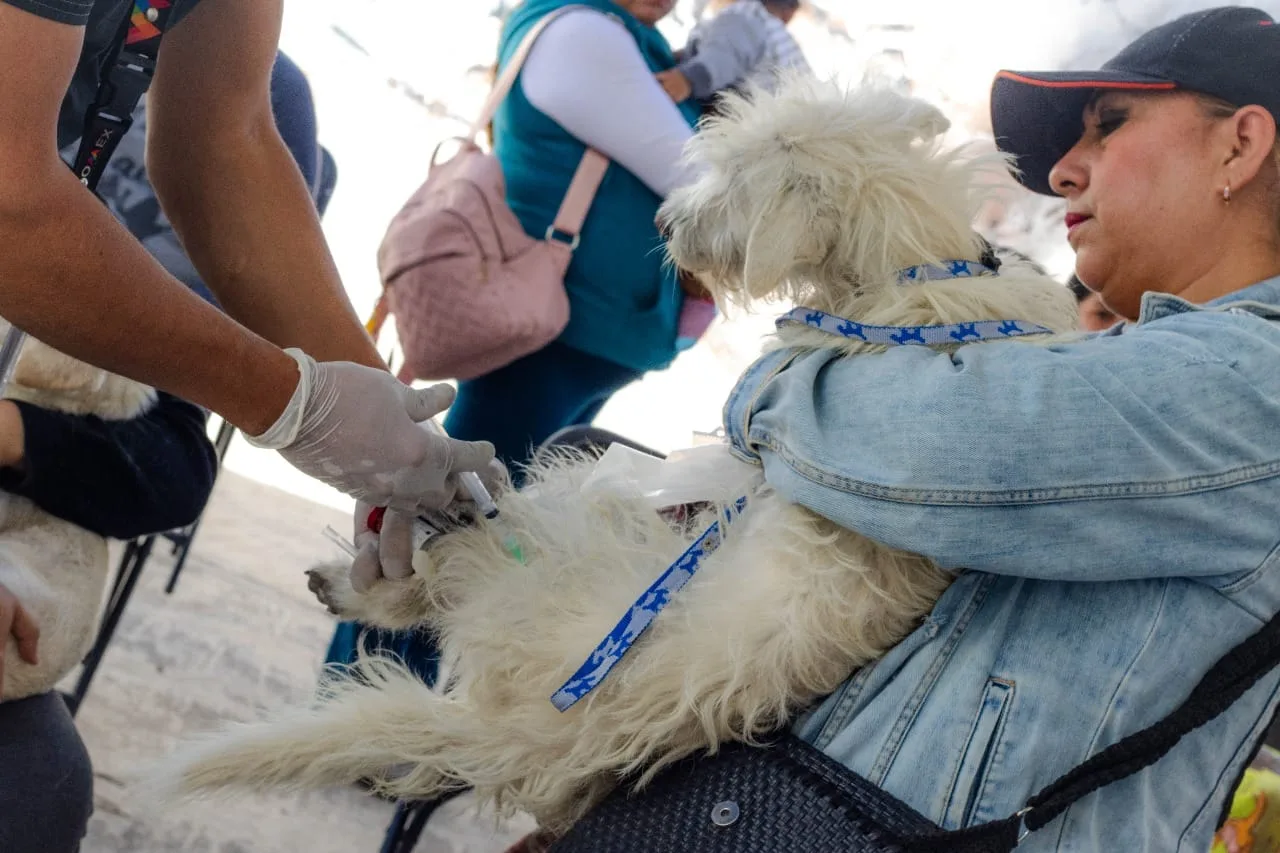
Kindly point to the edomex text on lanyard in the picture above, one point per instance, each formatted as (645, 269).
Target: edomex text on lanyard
(125, 76)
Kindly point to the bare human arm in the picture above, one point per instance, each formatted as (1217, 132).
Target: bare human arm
(233, 191)
(76, 279)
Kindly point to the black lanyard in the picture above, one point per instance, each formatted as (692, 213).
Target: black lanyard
(125, 76)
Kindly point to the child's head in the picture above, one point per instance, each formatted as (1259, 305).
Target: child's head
(1094, 315)
(783, 10)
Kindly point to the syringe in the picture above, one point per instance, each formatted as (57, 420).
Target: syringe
(479, 494)
(471, 482)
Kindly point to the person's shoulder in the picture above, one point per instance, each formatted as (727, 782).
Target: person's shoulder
(583, 21)
(584, 34)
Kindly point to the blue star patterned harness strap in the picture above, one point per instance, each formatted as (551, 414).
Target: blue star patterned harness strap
(643, 612)
(641, 615)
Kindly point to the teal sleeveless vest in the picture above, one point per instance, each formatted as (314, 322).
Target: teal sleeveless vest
(624, 300)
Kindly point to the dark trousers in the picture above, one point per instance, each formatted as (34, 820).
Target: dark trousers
(46, 781)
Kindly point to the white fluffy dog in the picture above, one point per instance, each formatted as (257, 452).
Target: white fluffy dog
(58, 571)
(814, 193)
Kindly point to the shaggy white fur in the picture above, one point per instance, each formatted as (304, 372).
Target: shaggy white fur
(817, 194)
(58, 571)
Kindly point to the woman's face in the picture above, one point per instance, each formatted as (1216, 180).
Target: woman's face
(648, 11)
(1144, 195)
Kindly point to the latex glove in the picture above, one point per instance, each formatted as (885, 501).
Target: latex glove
(364, 432)
(16, 622)
(389, 554)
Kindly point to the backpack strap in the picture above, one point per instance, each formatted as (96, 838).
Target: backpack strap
(125, 76)
(590, 172)
(507, 79)
(577, 199)
(1228, 679)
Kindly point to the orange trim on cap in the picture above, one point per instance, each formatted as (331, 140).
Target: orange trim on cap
(1082, 84)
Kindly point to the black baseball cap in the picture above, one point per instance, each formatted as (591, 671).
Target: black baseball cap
(1231, 53)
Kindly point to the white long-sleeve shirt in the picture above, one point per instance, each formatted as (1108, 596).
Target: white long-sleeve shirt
(586, 73)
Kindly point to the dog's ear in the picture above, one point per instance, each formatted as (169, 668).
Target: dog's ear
(923, 120)
(790, 236)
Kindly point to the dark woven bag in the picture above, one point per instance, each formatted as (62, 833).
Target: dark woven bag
(788, 797)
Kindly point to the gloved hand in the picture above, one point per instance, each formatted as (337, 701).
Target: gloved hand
(385, 554)
(362, 431)
(389, 553)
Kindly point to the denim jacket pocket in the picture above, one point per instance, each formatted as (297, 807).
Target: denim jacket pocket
(849, 697)
(979, 754)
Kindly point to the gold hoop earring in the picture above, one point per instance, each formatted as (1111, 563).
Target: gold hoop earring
(1226, 194)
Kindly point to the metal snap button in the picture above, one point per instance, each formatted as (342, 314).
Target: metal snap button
(152, 15)
(724, 814)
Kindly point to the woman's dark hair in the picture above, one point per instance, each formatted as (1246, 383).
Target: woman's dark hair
(1076, 286)
(993, 253)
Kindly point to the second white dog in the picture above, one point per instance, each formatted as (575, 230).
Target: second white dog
(814, 194)
(57, 570)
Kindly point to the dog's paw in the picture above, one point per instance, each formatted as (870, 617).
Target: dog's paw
(391, 604)
(322, 588)
(330, 583)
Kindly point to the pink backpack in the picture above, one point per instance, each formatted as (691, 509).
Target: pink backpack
(469, 289)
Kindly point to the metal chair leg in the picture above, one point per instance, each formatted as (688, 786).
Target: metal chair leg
(395, 832)
(181, 549)
(130, 569)
(182, 541)
(10, 349)
(409, 822)
(222, 440)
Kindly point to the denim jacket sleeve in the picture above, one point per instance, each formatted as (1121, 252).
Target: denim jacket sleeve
(1145, 454)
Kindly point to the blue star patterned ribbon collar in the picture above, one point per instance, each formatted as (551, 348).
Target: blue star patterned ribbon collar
(953, 333)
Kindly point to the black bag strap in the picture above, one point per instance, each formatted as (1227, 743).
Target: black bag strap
(1228, 679)
(125, 76)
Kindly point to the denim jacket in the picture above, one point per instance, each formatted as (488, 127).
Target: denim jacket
(1111, 506)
